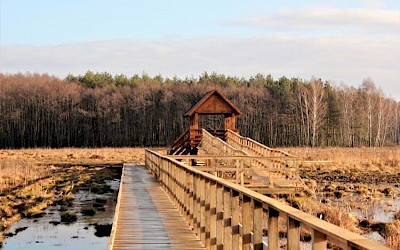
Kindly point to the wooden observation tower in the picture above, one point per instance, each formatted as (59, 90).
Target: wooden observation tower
(212, 104)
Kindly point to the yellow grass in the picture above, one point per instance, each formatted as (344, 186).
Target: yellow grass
(352, 162)
(28, 174)
(17, 167)
(369, 159)
(75, 155)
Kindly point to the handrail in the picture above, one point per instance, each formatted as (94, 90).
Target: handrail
(252, 145)
(215, 144)
(279, 163)
(255, 148)
(230, 216)
(179, 142)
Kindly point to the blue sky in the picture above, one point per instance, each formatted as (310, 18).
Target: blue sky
(341, 41)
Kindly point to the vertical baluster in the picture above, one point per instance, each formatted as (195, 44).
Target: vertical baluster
(190, 199)
(235, 220)
(207, 213)
(213, 214)
(247, 220)
(293, 237)
(220, 217)
(319, 241)
(194, 204)
(186, 194)
(227, 219)
(273, 234)
(202, 210)
(258, 225)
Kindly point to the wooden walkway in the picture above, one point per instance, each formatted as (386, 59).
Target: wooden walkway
(147, 219)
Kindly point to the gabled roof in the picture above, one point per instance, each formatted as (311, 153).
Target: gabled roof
(214, 102)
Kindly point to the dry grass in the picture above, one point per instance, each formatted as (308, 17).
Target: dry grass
(18, 172)
(33, 179)
(356, 178)
(392, 234)
(385, 159)
(20, 167)
(339, 216)
(74, 156)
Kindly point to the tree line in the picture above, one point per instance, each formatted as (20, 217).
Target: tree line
(102, 110)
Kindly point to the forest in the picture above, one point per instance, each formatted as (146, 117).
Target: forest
(97, 109)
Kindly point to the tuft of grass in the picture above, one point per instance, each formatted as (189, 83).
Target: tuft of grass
(388, 191)
(103, 230)
(67, 217)
(88, 212)
(392, 234)
(100, 200)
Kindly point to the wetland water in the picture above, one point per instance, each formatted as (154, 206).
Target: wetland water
(87, 232)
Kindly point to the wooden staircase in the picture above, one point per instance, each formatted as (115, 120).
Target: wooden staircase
(187, 143)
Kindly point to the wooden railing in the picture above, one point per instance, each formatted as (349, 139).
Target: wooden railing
(237, 168)
(179, 143)
(281, 164)
(215, 146)
(255, 148)
(228, 216)
(251, 146)
(191, 138)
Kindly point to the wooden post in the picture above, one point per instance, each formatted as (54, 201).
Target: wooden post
(258, 220)
(220, 217)
(241, 173)
(202, 210)
(247, 219)
(235, 220)
(196, 202)
(293, 237)
(213, 215)
(319, 241)
(189, 198)
(227, 219)
(237, 172)
(180, 188)
(207, 212)
(273, 233)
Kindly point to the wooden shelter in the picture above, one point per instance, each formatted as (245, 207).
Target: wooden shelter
(212, 103)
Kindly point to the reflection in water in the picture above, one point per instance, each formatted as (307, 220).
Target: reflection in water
(43, 234)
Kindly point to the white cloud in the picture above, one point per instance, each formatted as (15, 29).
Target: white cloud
(347, 59)
(365, 20)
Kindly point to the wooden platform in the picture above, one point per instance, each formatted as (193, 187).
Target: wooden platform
(147, 219)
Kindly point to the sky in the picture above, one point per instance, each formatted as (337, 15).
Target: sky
(343, 41)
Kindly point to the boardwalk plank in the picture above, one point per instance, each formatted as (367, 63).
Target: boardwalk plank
(147, 218)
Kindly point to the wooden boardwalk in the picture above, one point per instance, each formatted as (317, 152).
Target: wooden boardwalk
(147, 219)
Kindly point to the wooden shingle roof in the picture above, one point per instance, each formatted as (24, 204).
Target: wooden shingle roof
(214, 102)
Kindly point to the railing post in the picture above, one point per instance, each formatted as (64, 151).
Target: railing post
(179, 184)
(207, 212)
(227, 219)
(235, 220)
(319, 241)
(247, 219)
(293, 237)
(258, 220)
(196, 204)
(187, 195)
(220, 218)
(202, 210)
(213, 214)
(191, 200)
(273, 234)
